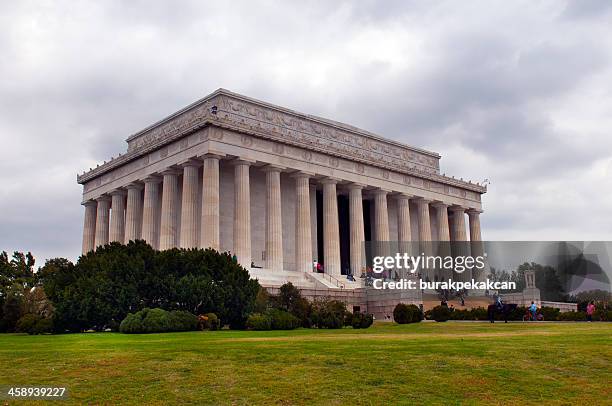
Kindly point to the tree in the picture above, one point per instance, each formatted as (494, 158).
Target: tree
(546, 280)
(16, 276)
(105, 285)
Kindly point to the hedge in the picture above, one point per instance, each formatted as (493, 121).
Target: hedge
(273, 319)
(404, 314)
(362, 320)
(158, 321)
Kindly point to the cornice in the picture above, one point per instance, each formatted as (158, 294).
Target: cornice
(228, 110)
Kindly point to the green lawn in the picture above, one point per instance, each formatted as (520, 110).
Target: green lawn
(427, 363)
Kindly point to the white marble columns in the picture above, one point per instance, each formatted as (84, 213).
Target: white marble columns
(303, 232)
(190, 211)
(424, 221)
(117, 222)
(381, 216)
(188, 214)
(476, 242)
(357, 233)
(443, 237)
(150, 229)
(102, 218)
(209, 228)
(404, 232)
(133, 212)
(458, 236)
(89, 227)
(458, 224)
(274, 225)
(169, 211)
(331, 232)
(314, 230)
(442, 217)
(242, 216)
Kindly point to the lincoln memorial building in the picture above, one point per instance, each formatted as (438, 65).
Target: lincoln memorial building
(277, 188)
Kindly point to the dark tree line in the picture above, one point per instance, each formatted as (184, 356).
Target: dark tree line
(104, 286)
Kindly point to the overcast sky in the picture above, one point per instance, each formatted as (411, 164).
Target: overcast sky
(517, 92)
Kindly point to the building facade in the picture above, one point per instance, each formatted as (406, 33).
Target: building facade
(277, 188)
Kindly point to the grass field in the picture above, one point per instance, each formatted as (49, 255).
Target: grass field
(427, 363)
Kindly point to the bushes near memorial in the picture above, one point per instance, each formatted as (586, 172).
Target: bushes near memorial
(158, 321)
(362, 320)
(440, 313)
(289, 310)
(104, 286)
(407, 313)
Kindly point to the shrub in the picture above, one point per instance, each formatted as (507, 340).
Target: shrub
(132, 324)
(328, 313)
(440, 313)
(404, 314)
(262, 300)
(158, 321)
(43, 326)
(155, 321)
(290, 299)
(259, 322)
(181, 320)
(603, 315)
(461, 314)
(117, 279)
(572, 316)
(210, 321)
(27, 323)
(362, 320)
(479, 313)
(282, 320)
(550, 313)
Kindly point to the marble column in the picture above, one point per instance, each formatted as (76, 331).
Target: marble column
(404, 229)
(133, 212)
(303, 233)
(169, 211)
(459, 233)
(313, 223)
(381, 216)
(189, 206)
(404, 232)
(274, 220)
(331, 232)
(424, 221)
(459, 240)
(242, 216)
(357, 233)
(443, 237)
(117, 221)
(476, 244)
(150, 212)
(209, 229)
(89, 227)
(102, 218)
(425, 235)
(474, 216)
(442, 217)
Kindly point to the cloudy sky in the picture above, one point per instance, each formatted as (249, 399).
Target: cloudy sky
(517, 92)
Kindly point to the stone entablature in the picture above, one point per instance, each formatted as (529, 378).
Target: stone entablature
(213, 139)
(339, 142)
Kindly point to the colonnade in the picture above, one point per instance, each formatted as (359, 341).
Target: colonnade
(132, 212)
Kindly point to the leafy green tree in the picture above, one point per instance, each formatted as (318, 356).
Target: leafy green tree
(105, 285)
(546, 279)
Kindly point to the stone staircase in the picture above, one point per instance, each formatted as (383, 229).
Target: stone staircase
(275, 279)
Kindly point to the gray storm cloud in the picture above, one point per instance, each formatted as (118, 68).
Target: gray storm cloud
(515, 92)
